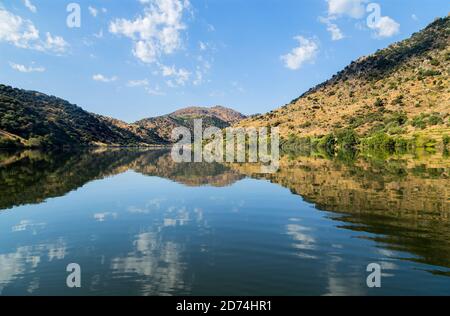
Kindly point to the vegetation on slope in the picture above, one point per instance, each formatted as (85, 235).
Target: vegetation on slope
(33, 119)
(397, 97)
(217, 116)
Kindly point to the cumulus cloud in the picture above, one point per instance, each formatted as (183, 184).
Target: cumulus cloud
(102, 78)
(385, 27)
(25, 69)
(335, 31)
(30, 6)
(305, 52)
(179, 77)
(17, 31)
(155, 32)
(352, 8)
(23, 34)
(55, 43)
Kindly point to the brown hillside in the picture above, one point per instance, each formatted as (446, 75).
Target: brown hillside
(401, 90)
(217, 116)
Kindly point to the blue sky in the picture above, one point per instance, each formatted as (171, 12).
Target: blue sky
(132, 59)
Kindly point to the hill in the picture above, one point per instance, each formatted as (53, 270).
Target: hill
(33, 119)
(217, 116)
(398, 95)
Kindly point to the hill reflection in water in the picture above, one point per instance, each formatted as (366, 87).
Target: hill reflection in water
(402, 204)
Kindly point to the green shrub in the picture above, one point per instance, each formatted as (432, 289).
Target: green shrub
(428, 73)
(379, 102)
(396, 130)
(419, 122)
(398, 100)
(306, 125)
(295, 144)
(379, 140)
(347, 138)
(435, 119)
(434, 62)
(400, 118)
(446, 140)
(328, 141)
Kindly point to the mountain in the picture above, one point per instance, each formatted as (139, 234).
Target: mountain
(33, 119)
(148, 136)
(30, 118)
(217, 116)
(398, 92)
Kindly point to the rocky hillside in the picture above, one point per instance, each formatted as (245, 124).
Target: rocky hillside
(148, 136)
(402, 90)
(217, 116)
(33, 119)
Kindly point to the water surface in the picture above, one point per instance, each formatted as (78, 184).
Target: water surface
(139, 224)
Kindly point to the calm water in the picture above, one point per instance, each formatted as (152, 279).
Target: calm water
(138, 224)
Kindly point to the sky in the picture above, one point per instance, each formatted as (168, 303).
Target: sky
(132, 59)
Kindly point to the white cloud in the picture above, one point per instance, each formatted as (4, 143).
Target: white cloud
(93, 11)
(99, 34)
(154, 91)
(146, 85)
(201, 71)
(157, 31)
(102, 217)
(336, 33)
(180, 76)
(237, 87)
(414, 17)
(138, 83)
(25, 69)
(27, 225)
(198, 78)
(30, 6)
(386, 27)
(17, 31)
(102, 78)
(305, 52)
(203, 46)
(23, 34)
(352, 8)
(55, 43)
